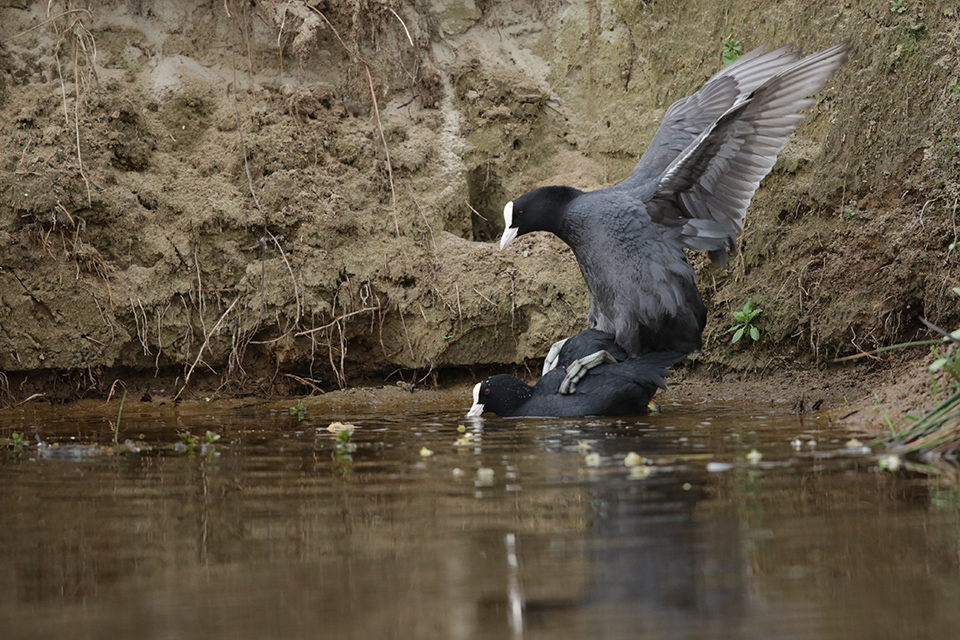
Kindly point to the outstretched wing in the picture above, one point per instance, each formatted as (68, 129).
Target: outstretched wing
(707, 188)
(690, 116)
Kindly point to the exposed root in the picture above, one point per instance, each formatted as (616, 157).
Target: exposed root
(206, 341)
(337, 320)
(376, 111)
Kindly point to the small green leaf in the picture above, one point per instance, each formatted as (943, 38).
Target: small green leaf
(738, 335)
(754, 333)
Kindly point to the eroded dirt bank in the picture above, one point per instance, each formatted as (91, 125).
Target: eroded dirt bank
(204, 189)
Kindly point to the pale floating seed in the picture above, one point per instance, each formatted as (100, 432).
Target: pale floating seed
(633, 459)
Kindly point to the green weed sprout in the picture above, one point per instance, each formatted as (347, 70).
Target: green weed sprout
(300, 410)
(18, 442)
(730, 49)
(896, 6)
(745, 320)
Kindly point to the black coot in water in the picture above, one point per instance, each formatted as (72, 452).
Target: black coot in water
(610, 389)
(690, 190)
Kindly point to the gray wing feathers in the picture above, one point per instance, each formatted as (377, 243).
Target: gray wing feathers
(689, 116)
(708, 186)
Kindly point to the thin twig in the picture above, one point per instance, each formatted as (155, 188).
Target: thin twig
(336, 320)
(404, 25)
(406, 336)
(246, 165)
(304, 381)
(865, 354)
(76, 115)
(376, 111)
(480, 215)
(46, 22)
(206, 341)
(483, 296)
(271, 340)
(29, 398)
(296, 293)
(946, 335)
(116, 429)
(433, 240)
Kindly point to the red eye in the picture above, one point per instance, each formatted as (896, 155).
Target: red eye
(520, 213)
(486, 392)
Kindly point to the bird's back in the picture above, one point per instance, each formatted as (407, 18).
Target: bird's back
(642, 289)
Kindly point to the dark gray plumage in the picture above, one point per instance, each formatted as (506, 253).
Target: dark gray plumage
(690, 190)
(613, 389)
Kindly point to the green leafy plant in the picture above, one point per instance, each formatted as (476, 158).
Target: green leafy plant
(343, 443)
(212, 437)
(187, 443)
(896, 6)
(730, 49)
(343, 447)
(744, 319)
(300, 410)
(18, 442)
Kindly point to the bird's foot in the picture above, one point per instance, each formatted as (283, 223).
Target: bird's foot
(579, 368)
(553, 356)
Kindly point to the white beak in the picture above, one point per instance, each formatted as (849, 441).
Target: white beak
(509, 231)
(477, 409)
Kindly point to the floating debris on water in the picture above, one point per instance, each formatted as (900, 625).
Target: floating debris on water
(633, 459)
(854, 446)
(796, 444)
(465, 440)
(426, 453)
(461, 428)
(338, 427)
(485, 476)
(641, 471)
(890, 463)
(754, 457)
(592, 459)
(584, 447)
(718, 467)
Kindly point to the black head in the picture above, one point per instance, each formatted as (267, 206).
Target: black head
(539, 210)
(500, 394)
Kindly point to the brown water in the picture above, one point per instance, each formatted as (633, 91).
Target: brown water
(273, 534)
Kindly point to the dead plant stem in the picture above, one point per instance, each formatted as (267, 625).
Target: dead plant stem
(76, 113)
(206, 341)
(376, 111)
(336, 320)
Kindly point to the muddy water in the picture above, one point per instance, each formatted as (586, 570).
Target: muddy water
(533, 528)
